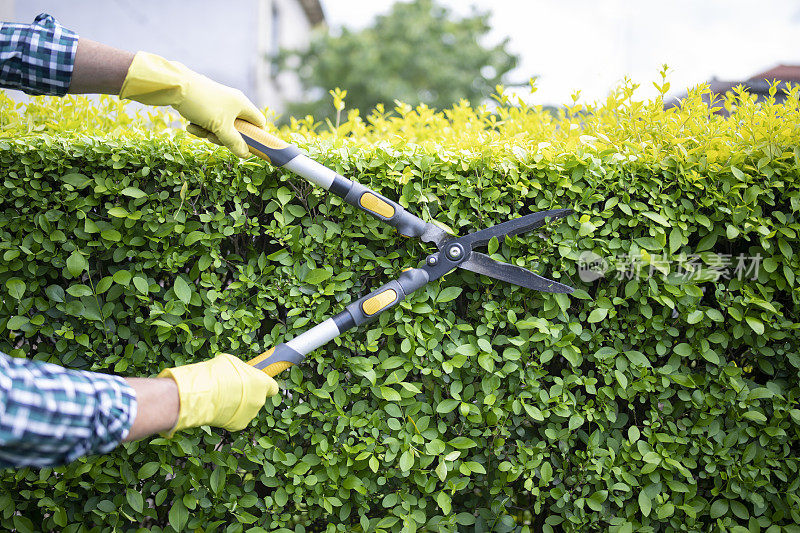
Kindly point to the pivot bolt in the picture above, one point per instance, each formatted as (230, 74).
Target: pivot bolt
(455, 252)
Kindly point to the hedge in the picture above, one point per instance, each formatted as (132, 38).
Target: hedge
(660, 396)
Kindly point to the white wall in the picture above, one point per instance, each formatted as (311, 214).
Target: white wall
(293, 31)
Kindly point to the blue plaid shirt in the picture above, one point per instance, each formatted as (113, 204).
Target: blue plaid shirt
(50, 415)
(37, 58)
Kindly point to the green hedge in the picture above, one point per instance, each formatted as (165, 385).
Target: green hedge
(653, 402)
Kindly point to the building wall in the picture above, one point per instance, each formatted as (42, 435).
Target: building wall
(284, 25)
(229, 41)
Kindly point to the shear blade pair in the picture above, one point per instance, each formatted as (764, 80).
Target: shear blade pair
(461, 251)
(452, 252)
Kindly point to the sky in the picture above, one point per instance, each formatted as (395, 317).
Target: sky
(591, 45)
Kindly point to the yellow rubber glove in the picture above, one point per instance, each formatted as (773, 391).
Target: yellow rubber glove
(208, 105)
(223, 392)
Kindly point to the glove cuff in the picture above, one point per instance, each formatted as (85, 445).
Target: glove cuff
(153, 80)
(195, 408)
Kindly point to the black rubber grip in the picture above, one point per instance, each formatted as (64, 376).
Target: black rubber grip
(344, 321)
(340, 186)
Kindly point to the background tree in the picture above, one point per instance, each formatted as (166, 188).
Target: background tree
(417, 53)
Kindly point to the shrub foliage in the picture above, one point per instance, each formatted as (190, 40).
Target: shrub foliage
(662, 396)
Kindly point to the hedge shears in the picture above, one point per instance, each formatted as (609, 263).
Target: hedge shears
(452, 252)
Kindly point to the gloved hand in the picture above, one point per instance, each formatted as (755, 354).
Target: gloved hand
(208, 105)
(223, 392)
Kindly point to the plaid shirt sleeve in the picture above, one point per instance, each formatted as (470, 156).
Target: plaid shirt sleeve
(51, 416)
(37, 58)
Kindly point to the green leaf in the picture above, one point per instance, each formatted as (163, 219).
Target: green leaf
(123, 277)
(435, 447)
(755, 324)
(55, 293)
(534, 412)
(79, 290)
(182, 290)
(656, 217)
(469, 350)
(695, 316)
(284, 195)
(16, 288)
(683, 349)
(178, 515)
(441, 471)
(644, 503)
(546, 472)
(60, 517)
(597, 315)
(23, 524)
(410, 387)
(406, 461)
(76, 264)
(133, 192)
(141, 284)
(493, 245)
(103, 285)
(596, 500)
(444, 501)
(637, 358)
(77, 180)
(719, 508)
(755, 416)
(388, 393)
(317, 276)
(665, 511)
(111, 235)
(675, 240)
(462, 443)
(475, 467)
(193, 237)
(711, 356)
(135, 500)
(739, 509)
(16, 322)
(448, 294)
(148, 469)
(107, 506)
(652, 458)
(447, 405)
(119, 212)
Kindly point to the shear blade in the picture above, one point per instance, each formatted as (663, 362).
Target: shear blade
(483, 264)
(513, 227)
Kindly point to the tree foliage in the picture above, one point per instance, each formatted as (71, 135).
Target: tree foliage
(418, 53)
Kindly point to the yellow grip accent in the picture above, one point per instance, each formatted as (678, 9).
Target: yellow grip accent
(252, 131)
(379, 301)
(275, 368)
(370, 202)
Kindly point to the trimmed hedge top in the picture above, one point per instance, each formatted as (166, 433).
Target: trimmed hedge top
(661, 396)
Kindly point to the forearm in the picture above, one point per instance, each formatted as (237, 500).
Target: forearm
(99, 69)
(158, 405)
